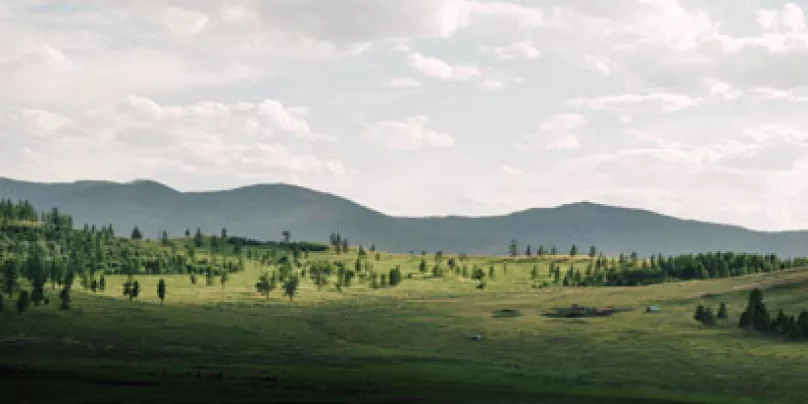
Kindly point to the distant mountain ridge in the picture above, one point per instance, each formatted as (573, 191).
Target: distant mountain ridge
(264, 211)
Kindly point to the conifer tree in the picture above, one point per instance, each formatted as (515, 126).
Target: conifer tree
(722, 311)
(23, 301)
(64, 296)
(290, 286)
(161, 291)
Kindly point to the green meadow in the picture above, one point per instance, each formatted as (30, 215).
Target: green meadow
(404, 344)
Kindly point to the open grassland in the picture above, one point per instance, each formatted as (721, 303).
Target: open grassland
(409, 343)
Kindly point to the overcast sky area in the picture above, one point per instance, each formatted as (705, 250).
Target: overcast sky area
(697, 109)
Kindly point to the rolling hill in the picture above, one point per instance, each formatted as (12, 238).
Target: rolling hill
(264, 211)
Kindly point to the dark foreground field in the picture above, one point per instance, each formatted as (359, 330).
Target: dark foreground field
(407, 345)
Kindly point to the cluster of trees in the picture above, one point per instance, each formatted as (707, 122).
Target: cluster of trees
(540, 251)
(51, 251)
(705, 315)
(19, 211)
(632, 271)
(338, 243)
(757, 318)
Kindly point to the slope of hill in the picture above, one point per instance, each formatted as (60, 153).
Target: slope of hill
(264, 211)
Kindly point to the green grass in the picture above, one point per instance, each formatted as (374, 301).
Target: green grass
(410, 343)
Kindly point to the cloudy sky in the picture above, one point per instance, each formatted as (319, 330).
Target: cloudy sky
(417, 107)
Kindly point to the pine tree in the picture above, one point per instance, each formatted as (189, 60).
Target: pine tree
(722, 311)
(699, 314)
(135, 290)
(290, 287)
(161, 291)
(709, 317)
(64, 296)
(136, 234)
(395, 276)
(263, 285)
(23, 301)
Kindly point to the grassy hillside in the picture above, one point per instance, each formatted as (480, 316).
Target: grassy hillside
(409, 343)
(264, 211)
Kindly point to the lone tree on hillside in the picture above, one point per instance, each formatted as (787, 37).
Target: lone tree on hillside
(64, 296)
(135, 290)
(290, 286)
(722, 311)
(513, 249)
(136, 234)
(23, 301)
(161, 291)
(395, 276)
(573, 250)
(265, 285)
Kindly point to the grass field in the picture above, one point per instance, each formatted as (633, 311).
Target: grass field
(410, 343)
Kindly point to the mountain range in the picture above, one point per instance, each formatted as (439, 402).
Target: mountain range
(264, 211)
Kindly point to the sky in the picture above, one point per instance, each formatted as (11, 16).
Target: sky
(421, 107)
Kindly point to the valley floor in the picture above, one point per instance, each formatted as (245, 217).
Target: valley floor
(405, 345)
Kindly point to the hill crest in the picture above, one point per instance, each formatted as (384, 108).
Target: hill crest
(265, 210)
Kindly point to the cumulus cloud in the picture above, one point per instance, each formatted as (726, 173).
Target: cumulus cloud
(439, 69)
(408, 134)
(635, 100)
(242, 136)
(557, 132)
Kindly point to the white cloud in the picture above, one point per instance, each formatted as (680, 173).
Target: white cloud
(206, 135)
(603, 65)
(517, 50)
(408, 134)
(724, 90)
(190, 22)
(512, 170)
(557, 132)
(650, 102)
(777, 94)
(638, 128)
(405, 82)
(439, 69)
(789, 18)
